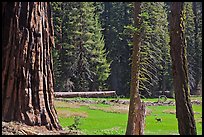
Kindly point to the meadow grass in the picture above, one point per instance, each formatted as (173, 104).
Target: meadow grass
(99, 122)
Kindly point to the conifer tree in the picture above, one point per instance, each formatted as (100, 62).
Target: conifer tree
(114, 18)
(136, 115)
(193, 38)
(57, 12)
(99, 63)
(155, 58)
(83, 65)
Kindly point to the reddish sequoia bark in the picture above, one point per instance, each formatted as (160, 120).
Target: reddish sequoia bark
(136, 117)
(27, 73)
(184, 111)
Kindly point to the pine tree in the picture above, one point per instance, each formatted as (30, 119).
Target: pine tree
(100, 64)
(114, 18)
(193, 38)
(155, 64)
(189, 31)
(136, 115)
(197, 8)
(57, 13)
(82, 55)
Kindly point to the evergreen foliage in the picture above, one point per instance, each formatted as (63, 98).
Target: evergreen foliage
(155, 62)
(82, 57)
(193, 33)
(94, 46)
(155, 55)
(116, 15)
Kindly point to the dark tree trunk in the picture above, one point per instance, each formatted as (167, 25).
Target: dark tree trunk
(136, 114)
(184, 112)
(27, 73)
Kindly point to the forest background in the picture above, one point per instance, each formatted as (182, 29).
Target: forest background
(94, 46)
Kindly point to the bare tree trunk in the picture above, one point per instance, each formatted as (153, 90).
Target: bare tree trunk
(27, 71)
(136, 115)
(184, 112)
(90, 94)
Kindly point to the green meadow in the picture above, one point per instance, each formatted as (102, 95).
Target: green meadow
(106, 119)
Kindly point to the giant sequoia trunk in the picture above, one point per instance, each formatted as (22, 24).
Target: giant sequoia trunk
(27, 73)
(136, 115)
(184, 112)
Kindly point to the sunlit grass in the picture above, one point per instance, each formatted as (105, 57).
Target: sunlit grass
(99, 119)
(96, 121)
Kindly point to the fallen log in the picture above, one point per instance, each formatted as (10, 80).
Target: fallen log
(89, 94)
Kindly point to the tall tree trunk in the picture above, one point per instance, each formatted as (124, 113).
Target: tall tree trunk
(184, 112)
(136, 114)
(27, 71)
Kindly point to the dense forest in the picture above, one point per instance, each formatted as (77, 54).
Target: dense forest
(94, 47)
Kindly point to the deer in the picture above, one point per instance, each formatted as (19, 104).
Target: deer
(158, 119)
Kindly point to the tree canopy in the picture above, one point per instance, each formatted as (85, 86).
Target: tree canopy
(94, 45)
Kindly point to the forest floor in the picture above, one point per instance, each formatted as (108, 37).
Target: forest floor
(16, 128)
(108, 116)
(66, 109)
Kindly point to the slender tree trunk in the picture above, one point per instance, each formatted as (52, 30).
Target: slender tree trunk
(184, 112)
(135, 125)
(27, 73)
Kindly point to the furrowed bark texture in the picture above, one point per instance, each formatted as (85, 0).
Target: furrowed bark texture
(27, 73)
(184, 112)
(136, 116)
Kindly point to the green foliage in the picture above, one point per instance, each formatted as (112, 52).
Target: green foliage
(56, 12)
(100, 65)
(193, 35)
(76, 124)
(155, 62)
(96, 41)
(115, 16)
(81, 64)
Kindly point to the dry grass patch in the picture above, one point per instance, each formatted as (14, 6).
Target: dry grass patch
(113, 109)
(117, 109)
(148, 112)
(67, 113)
(66, 104)
(199, 120)
(169, 111)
